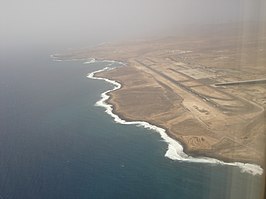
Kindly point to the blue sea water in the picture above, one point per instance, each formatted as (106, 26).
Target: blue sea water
(55, 144)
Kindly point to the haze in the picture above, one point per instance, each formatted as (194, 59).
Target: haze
(75, 23)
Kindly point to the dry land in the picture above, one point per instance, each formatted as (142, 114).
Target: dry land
(174, 83)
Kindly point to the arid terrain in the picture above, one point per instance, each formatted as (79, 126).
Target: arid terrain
(177, 83)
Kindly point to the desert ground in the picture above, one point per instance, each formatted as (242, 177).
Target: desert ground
(180, 83)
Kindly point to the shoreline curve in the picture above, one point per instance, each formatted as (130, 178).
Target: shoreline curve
(175, 149)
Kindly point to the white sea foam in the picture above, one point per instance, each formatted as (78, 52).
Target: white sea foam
(175, 150)
(55, 57)
(110, 62)
(113, 62)
(90, 61)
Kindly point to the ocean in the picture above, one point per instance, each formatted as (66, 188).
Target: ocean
(56, 144)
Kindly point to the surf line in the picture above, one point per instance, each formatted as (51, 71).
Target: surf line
(175, 149)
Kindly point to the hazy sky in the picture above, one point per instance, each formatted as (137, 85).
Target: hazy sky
(83, 21)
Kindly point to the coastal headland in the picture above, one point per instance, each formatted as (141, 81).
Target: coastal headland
(179, 83)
